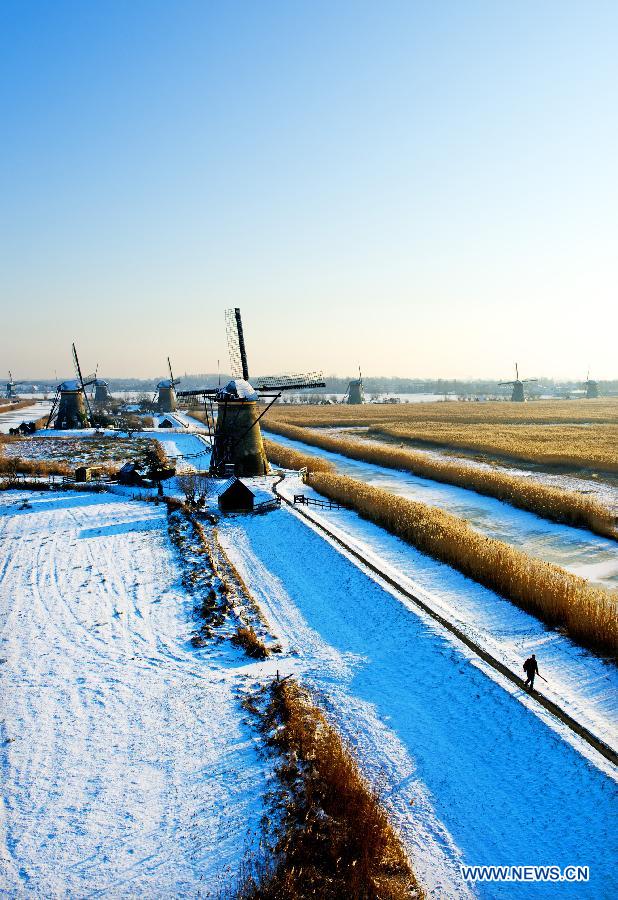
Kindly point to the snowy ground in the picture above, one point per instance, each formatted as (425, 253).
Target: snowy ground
(466, 764)
(575, 549)
(126, 767)
(15, 417)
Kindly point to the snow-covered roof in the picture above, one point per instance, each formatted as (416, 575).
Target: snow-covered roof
(69, 386)
(166, 383)
(237, 389)
(228, 484)
(100, 381)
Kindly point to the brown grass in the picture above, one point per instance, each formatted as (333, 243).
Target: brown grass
(21, 404)
(587, 613)
(288, 458)
(541, 412)
(557, 504)
(334, 839)
(557, 433)
(251, 643)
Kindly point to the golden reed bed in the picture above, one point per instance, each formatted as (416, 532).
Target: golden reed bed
(587, 613)
(561, 433)
(567, 507)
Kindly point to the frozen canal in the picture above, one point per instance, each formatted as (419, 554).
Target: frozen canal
(575, 549)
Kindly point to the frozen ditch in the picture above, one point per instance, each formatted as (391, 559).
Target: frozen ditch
(575, 549)
(126, 768)
(468, 769)
(13, 418)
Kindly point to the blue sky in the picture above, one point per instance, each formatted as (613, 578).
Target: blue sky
(424, 188)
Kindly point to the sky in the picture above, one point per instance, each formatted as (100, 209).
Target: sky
(427, 189)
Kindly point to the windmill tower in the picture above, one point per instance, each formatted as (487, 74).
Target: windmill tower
(10, 388)
(71, 406)
(102, 395)
(517, 395)
(592, 388)
(237, 442)
(355, 394)
(166, 400)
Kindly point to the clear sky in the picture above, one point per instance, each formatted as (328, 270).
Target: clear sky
(425, 188)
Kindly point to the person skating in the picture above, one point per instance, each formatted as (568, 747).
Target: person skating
(531, 669)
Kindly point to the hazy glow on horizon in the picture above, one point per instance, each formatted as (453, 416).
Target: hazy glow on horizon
(427, 189)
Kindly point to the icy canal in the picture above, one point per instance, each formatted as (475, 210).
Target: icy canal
(468, 769)
(575, 549)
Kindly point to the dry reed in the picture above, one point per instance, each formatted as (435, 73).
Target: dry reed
(557, 504)
(334, 839)
(587, 613)
(288, 458)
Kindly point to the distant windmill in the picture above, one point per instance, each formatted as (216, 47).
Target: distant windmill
(71, 406)
(10, 388)
(592, 388)
(517, 395)
(166, 400)
(355, 394)
(237, 443)
(101, 396)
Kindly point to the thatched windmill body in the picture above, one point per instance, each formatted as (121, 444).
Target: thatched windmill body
(355, 394)
(166, 398)
(102, 396)
(71, 406)
(592, 388)
(518, 394)
(237, 441)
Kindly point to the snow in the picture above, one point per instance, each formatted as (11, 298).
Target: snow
(467, 767)
(581, 683)
(575, 549)
(127, 768)
(14, 417)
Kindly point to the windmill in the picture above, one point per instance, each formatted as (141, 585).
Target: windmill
(237, 442)
(592, 388)
(10, 388)
(10, 393)
(355, 394)
(101, 394)
(71, 406)
(517, 395)
(166, 399)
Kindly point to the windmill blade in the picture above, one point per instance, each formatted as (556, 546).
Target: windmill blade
(289, 382)
(78, 372)
(506, 383)
(169, 365)
(526, 380)
(236, 344)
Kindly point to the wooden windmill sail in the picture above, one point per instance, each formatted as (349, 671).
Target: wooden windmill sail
(71, 406)
(237, 442)
(166, 400)
(517, 394)
(355, 394)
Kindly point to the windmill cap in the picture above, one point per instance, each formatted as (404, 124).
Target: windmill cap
(167, 383)
(70, 386)
(237, 389)
(100, 381)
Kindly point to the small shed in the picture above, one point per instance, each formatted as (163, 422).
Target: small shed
(130, 475)
(165, 423)
(88, 473)
(235, 496)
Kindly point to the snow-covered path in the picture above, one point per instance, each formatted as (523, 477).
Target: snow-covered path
(575, 549)
(126, 767)
(468, 768)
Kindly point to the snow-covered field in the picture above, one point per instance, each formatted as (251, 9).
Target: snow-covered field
(468, 767)
(575, 549)
(126, 767)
